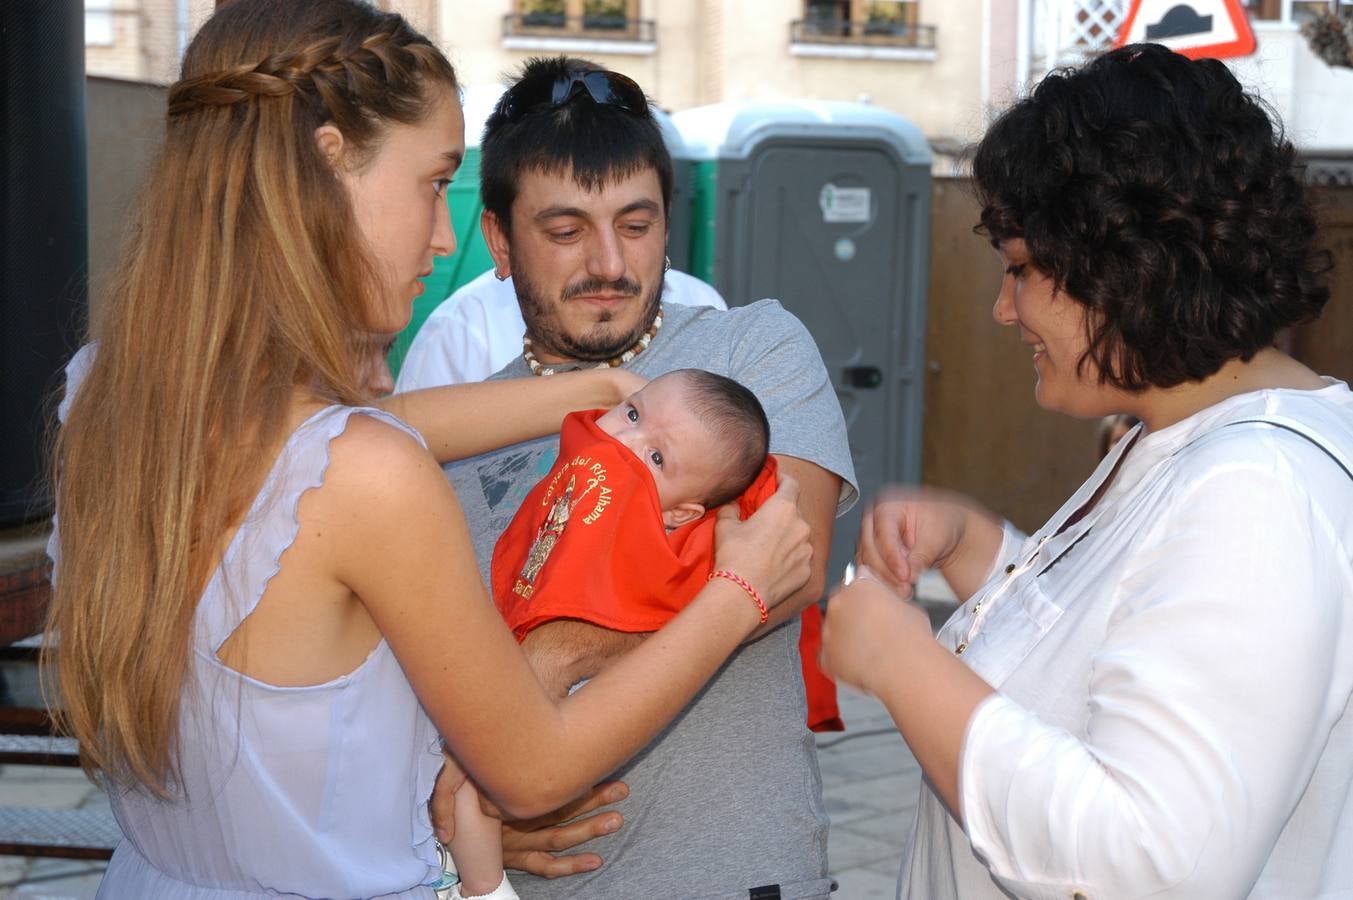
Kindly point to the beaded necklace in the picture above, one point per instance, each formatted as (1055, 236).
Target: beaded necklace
(645, 339)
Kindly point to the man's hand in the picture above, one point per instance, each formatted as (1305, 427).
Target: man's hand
(535, 845)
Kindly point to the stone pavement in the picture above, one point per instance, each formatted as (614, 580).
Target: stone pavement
(870, 781)
(869, 784)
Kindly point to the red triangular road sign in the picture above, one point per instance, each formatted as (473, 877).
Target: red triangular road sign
(1196, 28)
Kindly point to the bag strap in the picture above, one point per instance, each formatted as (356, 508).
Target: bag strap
(1300, 430)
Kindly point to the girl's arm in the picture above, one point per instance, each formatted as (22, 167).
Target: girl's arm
(460, 420)
(401, 545)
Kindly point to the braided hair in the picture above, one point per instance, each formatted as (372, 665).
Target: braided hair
(354, 80)
(244, 279)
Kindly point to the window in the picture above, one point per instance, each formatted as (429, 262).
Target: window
(890, 17)
(99, 23)
(580, 18)
(889, 23)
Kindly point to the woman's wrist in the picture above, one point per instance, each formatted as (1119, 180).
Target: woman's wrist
(622, 384)
(747, 588)
(979, 536)
(910, 644)
(731, 596)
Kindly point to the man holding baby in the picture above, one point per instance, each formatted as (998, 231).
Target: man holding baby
(727, 802)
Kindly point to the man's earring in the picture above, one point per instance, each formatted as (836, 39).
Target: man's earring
(499, 275)
(667, 263)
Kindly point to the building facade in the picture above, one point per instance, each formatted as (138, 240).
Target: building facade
(946, 65)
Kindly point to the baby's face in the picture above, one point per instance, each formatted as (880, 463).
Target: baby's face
(685, 458)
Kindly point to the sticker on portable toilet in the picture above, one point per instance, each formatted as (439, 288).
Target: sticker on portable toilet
(845, 249)
(844, 204)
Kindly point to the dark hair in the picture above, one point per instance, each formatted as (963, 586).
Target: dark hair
(593, 142)
(735, 417)
(1157, 193)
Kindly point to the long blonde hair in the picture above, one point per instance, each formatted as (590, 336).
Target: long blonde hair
(244, 276)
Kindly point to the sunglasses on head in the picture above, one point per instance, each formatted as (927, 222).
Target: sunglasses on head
(605, 88)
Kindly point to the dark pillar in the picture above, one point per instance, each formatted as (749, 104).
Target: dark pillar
(44, 240)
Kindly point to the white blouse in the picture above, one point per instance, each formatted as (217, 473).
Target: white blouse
(1173, 676)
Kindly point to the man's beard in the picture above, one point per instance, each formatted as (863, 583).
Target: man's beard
(598, 343)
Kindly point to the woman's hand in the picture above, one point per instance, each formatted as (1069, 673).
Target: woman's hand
(866, 625)
(770, 550)
(906, 531)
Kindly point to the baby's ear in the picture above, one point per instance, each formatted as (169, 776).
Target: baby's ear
(681, 514)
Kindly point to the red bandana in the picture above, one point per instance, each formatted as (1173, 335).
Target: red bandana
(589, 543)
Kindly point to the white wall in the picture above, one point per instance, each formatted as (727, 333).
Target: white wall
(1314, 100)
(707, 51)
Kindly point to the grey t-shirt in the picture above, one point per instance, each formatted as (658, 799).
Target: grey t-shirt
(728, 797)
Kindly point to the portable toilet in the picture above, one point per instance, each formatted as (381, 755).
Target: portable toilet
(825, 206)
(472, 259)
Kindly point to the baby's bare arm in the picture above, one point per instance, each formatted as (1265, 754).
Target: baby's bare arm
(566, 651)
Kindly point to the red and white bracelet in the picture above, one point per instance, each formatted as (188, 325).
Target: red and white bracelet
(743, 583)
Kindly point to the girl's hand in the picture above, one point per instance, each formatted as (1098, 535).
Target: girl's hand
(770, 550)
(442, 804)
(625, 383)
(866, 625)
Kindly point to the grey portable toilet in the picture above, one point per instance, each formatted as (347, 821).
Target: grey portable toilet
(826, 207)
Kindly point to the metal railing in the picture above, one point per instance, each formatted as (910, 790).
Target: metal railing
(600, 27)
(844, 31)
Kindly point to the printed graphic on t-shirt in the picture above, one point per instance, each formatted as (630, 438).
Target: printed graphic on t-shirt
(507, 479)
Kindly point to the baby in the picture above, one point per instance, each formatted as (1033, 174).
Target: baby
(620, 533)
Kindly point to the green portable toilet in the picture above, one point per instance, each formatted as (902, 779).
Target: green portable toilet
(472, 259)
(826, 207)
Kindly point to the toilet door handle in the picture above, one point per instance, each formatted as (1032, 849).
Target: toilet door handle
(863, 376)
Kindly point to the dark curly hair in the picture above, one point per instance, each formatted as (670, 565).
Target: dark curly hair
(1153, 190)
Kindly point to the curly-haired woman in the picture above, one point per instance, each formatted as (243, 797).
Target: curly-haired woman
(1149, 696)
(267, 604)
